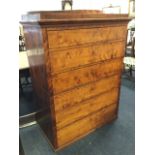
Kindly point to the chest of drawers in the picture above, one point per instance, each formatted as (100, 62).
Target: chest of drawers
(76, 59)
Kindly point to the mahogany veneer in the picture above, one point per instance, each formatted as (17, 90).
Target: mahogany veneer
(76, 59)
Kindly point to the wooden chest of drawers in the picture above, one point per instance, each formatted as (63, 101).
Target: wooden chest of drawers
(76, 59)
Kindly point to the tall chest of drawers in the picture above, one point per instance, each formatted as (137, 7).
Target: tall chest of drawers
(76, 59)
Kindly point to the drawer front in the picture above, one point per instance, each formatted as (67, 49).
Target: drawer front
(83, 109)
(76, 57)
(71, 79)
(85, 125)
(73, 97)
(76, 37)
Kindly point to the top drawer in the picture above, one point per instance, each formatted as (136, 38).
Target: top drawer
(75, 37)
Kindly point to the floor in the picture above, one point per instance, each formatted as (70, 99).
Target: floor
(27, 102)
(116, 138)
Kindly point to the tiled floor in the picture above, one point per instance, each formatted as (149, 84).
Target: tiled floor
(116, 138)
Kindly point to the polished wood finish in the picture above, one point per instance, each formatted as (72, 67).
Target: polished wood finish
(81, 127)
(76, 60)
(86, 107)
(69, 98)
(91, 35)
(81, 56)
(63, 81)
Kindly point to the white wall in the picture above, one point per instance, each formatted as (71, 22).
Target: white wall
(35, 5)
(32, 5)
(99, 4)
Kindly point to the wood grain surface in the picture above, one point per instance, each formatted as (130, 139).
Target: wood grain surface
(80, 56)
(82, 109)
(76, 60)
(81, 127)
(77, 77)
(65, 38)
(69, 98)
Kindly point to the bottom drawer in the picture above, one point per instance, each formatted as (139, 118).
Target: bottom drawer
(84, 126)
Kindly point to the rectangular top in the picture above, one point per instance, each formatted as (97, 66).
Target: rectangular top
(74, 16)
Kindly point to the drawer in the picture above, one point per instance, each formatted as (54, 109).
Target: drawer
(75, 37)
(85, 108)
(73, 97)
(84, 126)
(73, 78)
(76, 57)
